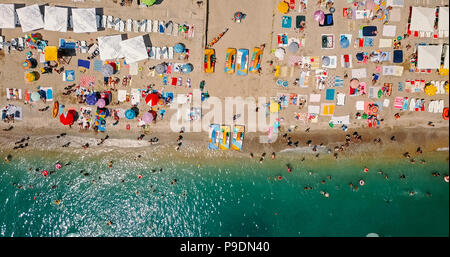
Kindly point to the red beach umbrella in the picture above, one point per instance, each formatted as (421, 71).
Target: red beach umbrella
(153, 98)
(66, 119)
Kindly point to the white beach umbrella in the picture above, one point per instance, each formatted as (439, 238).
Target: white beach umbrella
(279, 53)
(30, 18)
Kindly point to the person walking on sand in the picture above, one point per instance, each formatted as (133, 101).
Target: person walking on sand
(273, 156)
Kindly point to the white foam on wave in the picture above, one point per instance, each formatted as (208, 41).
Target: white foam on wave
(442, 149)
(307, 149)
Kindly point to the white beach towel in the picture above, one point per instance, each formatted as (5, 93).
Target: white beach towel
(149, 26)
(121, 95)
(385, 42)
(386, 102)
(340, 99)
(313, 109)
(359, 105)
(412, 104)
(339, 120)
(135, 96)
(359, 73)
(314, 98)
(389, 30)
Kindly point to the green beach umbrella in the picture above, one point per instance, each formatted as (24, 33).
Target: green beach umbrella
(364, 116)
(149, 2)
(331, 124)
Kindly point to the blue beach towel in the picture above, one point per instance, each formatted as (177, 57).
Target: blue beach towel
(330, 94)
(84, 63)
(286, 22)
(398, 56)
(368, 31)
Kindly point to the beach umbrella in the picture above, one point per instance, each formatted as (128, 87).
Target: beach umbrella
(238, 16)
(26, 65)
(135, 110)
(179, 48)
(101, 103)
(35, 96)
(430, 90)
(153, 98)
(326, 60)
(161, 68)
(319, 16)
(293, 47)
(91, 99)
(344, 42)
(130, 114)
(332, 10)
(32, 76)
(66, 119)
(107, 70)
(149, 2)
(354, 83)
(279, 53)
(283, 7)
(186, 68)
(147, 117)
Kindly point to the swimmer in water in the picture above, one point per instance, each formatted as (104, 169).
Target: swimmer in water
(110, 163)
(273, 156)
(351, 185)
(435, 174)
(173, 181)
(403, 176)
(413, 161)
(57, 202)
(109, 223)
(261, 160)
(288, 168)
(251, 155)
(323, 182)
(308, 188)
(412, 193)
(422, 161)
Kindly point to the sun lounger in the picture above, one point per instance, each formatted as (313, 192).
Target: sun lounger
(122, 26)
(13, 93)
(109, 22)
(129, 25)
(170, 53)
(441, 106)
(165, 53)
(158, 53)
(143, 26)
(104, 21)
(169, 28)
(175, 30)
(135, 26)
(161, 27)
(117, 24)
(155, 26)
(149, 27)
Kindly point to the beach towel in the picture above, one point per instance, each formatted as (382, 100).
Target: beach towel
(328, 109)
(84, 63)
(395, 15)
(286, 22)
(313, 109)
(48, 93)
(340, 99)
(135, 96)
(398, 56)
(359, 105)
(359, 73)
(385, 42)
(412, 104)
(339, 82)
(328, 20)
(87, 81)
(369, 31)
(389, 30)
(298, 21)
(314, 98)
(340, 120)
(13, 93)
(330, 94)
(121, 95)
(405, 104)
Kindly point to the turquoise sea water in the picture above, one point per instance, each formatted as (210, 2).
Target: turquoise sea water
(223, 199)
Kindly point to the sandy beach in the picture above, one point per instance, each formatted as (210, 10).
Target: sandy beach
(261, 25)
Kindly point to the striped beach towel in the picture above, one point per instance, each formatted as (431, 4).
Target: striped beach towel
(398, 102)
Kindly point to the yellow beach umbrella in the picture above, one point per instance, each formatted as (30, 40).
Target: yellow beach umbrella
(30, 76)
(430, 90)
(274, 107)
(283, 7)
(446, 87)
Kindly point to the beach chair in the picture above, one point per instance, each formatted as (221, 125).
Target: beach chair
(135, 26)
(169, 28)
(109, 22)
(165, 53)
(122, 26)
(117, 24)
(170, 53)
(158, 53)
(161, 27)
(129, 25)
(224, 137)
(238, 137)
(149, 26)
(175, 30)
(155, 26)
(104, 21)
(143, 25)
(213, 134)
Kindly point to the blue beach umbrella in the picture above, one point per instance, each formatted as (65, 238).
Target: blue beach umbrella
(35, 96)
(91, 99)
(187, 68)
(179, 48)
(130, 114)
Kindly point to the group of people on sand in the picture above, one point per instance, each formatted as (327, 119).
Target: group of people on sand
(180, 139)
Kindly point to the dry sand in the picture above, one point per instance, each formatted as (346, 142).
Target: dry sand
(261, 26)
